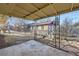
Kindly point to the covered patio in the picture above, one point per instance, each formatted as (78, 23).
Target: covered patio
(37, 11)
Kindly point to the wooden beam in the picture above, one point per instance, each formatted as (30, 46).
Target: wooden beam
(37, 10)
(26, 11)
(12, 8)
(61, 12)
(51, 4)
(71, 6)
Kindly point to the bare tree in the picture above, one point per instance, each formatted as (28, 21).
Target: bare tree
(66, 26)
(22, 26)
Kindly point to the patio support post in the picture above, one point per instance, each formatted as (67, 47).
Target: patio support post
(59, 32)
(55, 32)
(35, 31)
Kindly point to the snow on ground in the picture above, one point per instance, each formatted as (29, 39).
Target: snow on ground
(31, 48)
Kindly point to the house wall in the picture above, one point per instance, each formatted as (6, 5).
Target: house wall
(43, 29)
(39, 28)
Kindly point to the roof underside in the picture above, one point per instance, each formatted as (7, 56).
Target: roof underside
(36, 10)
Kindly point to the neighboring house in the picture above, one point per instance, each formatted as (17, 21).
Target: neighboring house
(43, 27)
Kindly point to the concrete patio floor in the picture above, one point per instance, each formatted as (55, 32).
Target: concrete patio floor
(32, 48)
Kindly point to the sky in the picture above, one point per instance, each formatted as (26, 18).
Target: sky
(13, 20)
(74, 16)
(71, 16)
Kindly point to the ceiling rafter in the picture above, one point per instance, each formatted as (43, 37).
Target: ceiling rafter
(12, 8)
(37, 10)
(25, 10)
(53, 7)
(71, 6)
(62, 12)
(9, 9)
(50, 4)
(17, 12)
